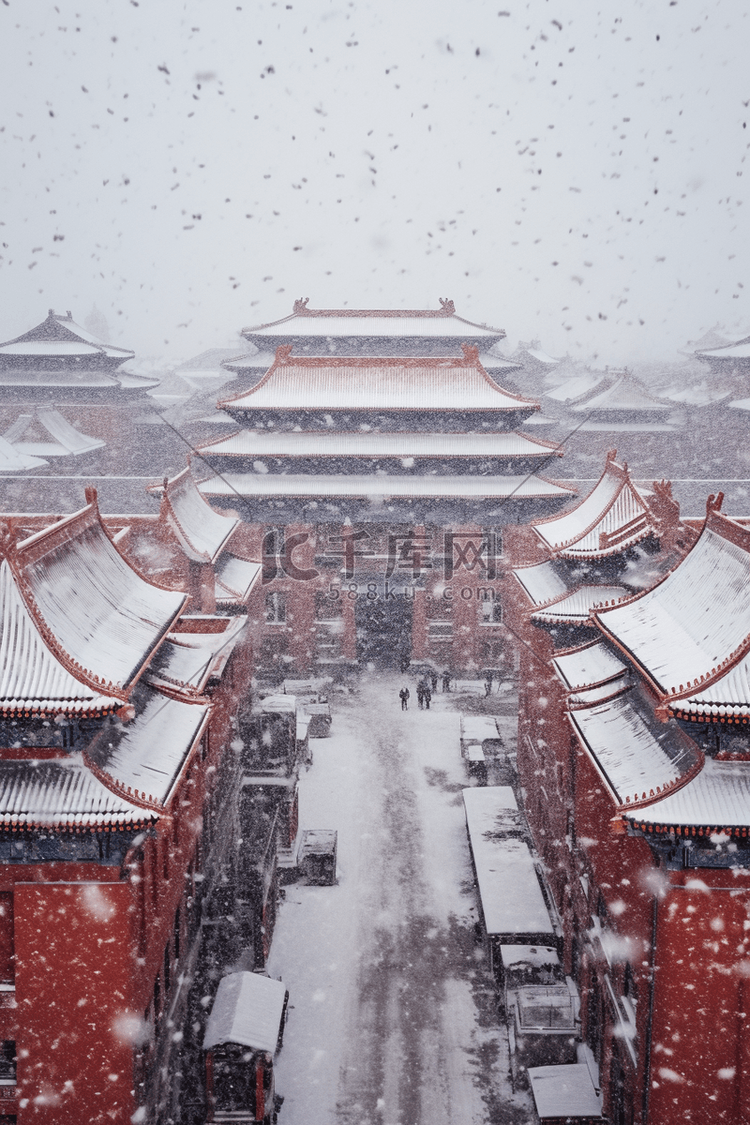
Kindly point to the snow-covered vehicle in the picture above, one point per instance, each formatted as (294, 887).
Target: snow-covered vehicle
(541, 1006)
(244, 1031)
(314, 702)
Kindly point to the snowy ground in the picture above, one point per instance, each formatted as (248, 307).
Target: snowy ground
(393, 1016)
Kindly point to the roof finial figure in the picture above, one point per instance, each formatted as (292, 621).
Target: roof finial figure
(713, 503)
(448, 307)
(300, 306)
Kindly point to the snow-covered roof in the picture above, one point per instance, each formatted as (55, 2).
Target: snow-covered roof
(190, 660)
(60, 335)
(627, 394)
(541, 356)
(62, 792)
(740, 350)
(613, 517)
(336, 383)
(638, 756)
(202, 532)
(588, 666)
(717, 798)
(564, 1092)
(574, 388)
(374, 487)
(247, 1010)
(311, 443)
(389, 323)
(542, 582)
(145, 757)
(13, 460)
(509, 889)
(576, 607)
(478, 728)
(235, 578)
(249, 362)
(33, 679)
(94, 606)
(696, 621)
(66, 439)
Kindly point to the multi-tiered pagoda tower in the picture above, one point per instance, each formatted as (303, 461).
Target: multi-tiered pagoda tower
(379, 459)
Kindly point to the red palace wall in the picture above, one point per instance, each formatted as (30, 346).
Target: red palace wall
(312, 579)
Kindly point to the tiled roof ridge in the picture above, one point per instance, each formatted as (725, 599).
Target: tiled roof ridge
(301, 309)
(469, 359)
(545, 446)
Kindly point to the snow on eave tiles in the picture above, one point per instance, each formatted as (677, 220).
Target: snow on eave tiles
(63, 793)
(327, 443)
(235, 578)
(202, 532)
(694, 624)
(34, 681)
(370, 487)
(145, 758)
(724, 699)
(335, 383)
(716, 800)
(610, 519)
(60, 430)
(13, 460)
(93, 608)
(187, 661)
(541, 583)
(300, 310)
(638, 757)
(588, 666)
(578, 605)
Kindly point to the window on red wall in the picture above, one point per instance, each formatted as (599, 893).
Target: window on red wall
(7, 959)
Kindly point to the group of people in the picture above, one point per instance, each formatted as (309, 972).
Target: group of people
(425, 689)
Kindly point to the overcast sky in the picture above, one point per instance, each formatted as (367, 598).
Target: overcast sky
(569, 172)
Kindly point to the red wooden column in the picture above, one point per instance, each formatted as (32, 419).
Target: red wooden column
(419, 626)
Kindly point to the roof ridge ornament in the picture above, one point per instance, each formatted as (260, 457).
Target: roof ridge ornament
(714, 502)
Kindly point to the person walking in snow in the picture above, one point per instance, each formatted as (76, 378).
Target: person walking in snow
(446, 681)
(420, 695)
(434, 681)
(404, 697)
(427, 696)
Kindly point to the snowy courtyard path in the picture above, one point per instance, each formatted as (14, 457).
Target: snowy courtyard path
(393, 1016)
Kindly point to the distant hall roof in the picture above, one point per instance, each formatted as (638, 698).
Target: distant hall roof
(60, 335)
